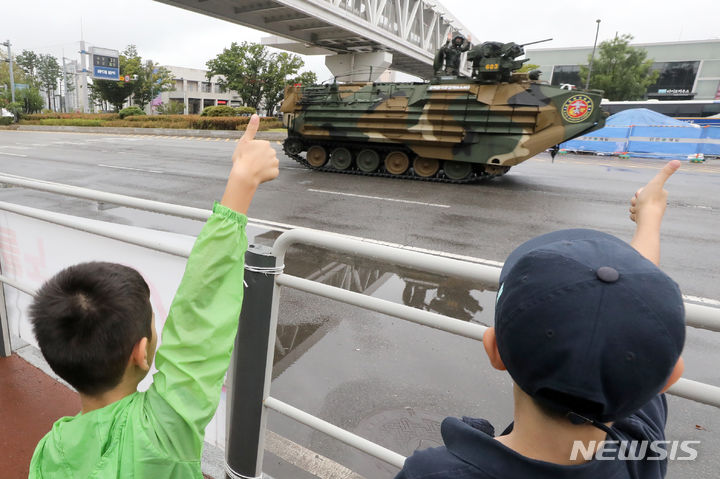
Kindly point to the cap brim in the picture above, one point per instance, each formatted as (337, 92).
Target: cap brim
(550, 238)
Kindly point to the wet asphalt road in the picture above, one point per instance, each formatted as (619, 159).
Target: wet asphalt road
(379, 377)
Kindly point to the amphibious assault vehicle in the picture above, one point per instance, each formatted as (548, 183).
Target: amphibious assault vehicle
(452, 129)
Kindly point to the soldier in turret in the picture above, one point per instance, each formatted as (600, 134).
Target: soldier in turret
(450, 53)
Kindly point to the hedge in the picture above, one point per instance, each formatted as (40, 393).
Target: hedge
(224, 110)
(71, 122)
(195, 122)
(69, 116)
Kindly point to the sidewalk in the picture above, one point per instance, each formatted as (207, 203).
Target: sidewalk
(30, 402)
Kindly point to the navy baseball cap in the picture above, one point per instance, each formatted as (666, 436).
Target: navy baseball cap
(586, 324)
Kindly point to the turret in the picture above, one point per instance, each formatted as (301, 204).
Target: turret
(494, 62)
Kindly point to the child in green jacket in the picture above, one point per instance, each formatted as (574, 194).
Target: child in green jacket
(95, 327)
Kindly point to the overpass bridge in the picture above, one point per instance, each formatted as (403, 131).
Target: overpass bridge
(360, 38)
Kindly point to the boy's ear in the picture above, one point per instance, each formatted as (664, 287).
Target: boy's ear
(490, 344)
(676, 374)
(139, 355)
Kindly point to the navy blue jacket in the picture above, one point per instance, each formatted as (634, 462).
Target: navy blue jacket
(471, 452)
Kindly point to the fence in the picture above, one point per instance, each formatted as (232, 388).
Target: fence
(250, 376)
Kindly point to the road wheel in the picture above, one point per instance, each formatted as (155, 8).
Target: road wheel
(367, 161)
(341, 158)
(316, 156)
(426, 167)
(457, 170)
(293, 146)
(397, 162)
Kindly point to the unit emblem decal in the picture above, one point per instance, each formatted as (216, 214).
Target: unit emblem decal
(577, 108)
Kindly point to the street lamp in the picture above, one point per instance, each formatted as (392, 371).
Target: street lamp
(597, 30)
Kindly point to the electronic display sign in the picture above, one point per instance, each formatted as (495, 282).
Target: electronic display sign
(105, 64)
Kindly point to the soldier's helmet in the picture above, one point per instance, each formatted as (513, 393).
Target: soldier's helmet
(458, 39)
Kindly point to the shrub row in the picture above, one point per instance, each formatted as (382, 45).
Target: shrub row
(194, 122)
(69, 122)
(223, 110)
(71, 116)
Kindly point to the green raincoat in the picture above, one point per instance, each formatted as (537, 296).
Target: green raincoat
(158, 434)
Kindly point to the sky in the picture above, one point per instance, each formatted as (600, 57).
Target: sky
(173, 36)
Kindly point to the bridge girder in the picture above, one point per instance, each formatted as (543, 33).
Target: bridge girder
(412, 30)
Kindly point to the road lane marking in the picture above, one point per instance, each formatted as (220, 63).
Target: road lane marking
(12, 154)
(128, 168)
(436, 205)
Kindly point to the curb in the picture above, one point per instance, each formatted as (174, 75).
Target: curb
(261, 135)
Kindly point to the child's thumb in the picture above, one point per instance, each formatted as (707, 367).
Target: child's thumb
(251, 130)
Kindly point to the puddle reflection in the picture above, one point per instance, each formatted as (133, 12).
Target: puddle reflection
(448, 296)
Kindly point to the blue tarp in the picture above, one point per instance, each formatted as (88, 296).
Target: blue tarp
(646, 133)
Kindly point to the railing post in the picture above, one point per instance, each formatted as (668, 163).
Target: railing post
(248, 374)
(5, 347)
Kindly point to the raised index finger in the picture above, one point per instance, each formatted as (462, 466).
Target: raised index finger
(251, 130)
(665, 173)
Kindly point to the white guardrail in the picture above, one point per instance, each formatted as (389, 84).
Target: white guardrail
(697, 316)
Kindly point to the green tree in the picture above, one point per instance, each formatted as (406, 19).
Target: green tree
(275, 77)
(528, 67)
(48, 74)
(622, 71)
(116, 92)
(19, 74)
(28, 61)
(171, 108)
(152, 80)
(241, 68)
(256, 74)
(31, 100)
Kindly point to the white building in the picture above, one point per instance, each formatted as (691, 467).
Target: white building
(195, 91)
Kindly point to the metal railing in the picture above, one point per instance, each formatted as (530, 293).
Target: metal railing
(265, 279)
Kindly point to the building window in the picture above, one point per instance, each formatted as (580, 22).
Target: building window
(178, 84)
(676, 79)
(192, 86)
(566, 74)
(206, 87)
(219, 88)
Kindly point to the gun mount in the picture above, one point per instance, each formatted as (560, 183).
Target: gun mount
(494, 62)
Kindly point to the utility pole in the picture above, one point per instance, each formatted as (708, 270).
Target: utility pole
(63, 98)
(592, 57)
(83, 77)
(12, 77)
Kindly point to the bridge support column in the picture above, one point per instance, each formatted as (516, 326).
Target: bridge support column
(349, 67)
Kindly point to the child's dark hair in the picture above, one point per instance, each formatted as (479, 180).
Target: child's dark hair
(87, 318)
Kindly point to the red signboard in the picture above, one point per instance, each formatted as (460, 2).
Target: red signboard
(222, 102)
